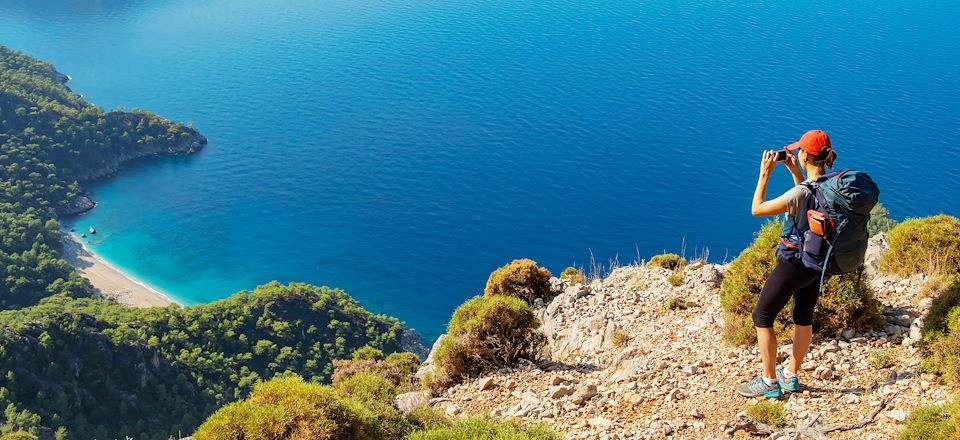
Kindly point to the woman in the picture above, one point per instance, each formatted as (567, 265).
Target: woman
(789, 278)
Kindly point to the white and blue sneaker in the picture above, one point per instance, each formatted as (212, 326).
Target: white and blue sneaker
(787, 384)
(758, 388)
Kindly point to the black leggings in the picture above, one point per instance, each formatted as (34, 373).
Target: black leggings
(788, 279)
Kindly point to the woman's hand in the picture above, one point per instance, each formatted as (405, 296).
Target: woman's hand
(767, 163)
(791, 163)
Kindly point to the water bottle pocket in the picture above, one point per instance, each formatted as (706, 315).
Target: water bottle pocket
(814, 250)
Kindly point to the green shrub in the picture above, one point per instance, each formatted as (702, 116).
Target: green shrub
(18, 435)
(675, 279)
(846, 302)
(289, 408)
(487, 428)
(522, 279)
(367, 353)
(376, 395)
(742, 282)
(573, 275)
(667, 261)
(399, 368)
(941, 330)
(940, 422)
(406, 364)
(881, 359)
(485, 333)
(945, 291)
(428, 417)
(880, 220)
(344, 369)
(765, 411)
(929, 245)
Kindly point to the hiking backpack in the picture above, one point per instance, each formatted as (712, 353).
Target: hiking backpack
(836, 241)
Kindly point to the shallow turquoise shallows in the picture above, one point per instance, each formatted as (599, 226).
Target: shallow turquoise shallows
(401, 150)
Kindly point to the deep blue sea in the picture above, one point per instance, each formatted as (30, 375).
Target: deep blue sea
(401, 150)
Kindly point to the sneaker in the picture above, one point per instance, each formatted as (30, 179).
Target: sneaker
(788, 385)
(758, 388)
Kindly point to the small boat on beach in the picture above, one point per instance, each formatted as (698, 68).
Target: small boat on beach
(92, 231)
(83, 235)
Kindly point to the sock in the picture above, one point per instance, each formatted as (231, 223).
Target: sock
(788, 374)
(769, 381)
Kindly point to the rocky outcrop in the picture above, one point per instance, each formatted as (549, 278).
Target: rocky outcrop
(78, 205)
(635, 357)
(189, 145)
(407, 402)
(427, 367)
(411, 341)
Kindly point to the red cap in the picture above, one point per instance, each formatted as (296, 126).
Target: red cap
(813, 142)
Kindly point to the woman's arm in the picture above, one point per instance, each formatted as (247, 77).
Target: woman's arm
(760, 206)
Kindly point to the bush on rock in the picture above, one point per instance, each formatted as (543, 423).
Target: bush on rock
(573, 276)
(486, 333)
(522, 279)
(398, 368)
(880, 220)
(846, 302)
(929, 245)
(667, 261)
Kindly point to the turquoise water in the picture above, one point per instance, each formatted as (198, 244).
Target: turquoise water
(402, 150)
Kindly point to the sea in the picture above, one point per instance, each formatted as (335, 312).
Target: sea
(402, 150)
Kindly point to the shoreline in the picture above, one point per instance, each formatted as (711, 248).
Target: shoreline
(108, 280)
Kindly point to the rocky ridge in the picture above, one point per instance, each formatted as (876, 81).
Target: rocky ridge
(634, 357)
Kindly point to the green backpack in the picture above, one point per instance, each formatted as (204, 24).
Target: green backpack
(845, 200)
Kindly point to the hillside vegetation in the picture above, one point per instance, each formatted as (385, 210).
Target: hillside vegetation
(50, 139)
(101, 370)
(76, 366)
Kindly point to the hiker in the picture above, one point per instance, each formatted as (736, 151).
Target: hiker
(791, 277)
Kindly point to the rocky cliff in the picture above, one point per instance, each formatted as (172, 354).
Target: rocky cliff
(633, 356)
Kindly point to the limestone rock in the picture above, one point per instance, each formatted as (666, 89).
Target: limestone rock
(407, 402)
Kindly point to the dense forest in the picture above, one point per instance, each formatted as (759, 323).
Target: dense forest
(101, 370)
(76, 366)
(50, 138)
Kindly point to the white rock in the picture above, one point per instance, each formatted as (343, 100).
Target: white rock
(407, 402)
(486, 383)
(896, 415)
(600, 422)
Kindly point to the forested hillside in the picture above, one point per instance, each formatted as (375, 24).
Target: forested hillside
(49, 139)
(101, 370)
(80, 367)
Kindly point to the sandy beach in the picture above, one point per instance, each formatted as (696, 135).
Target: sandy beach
(110, 281)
